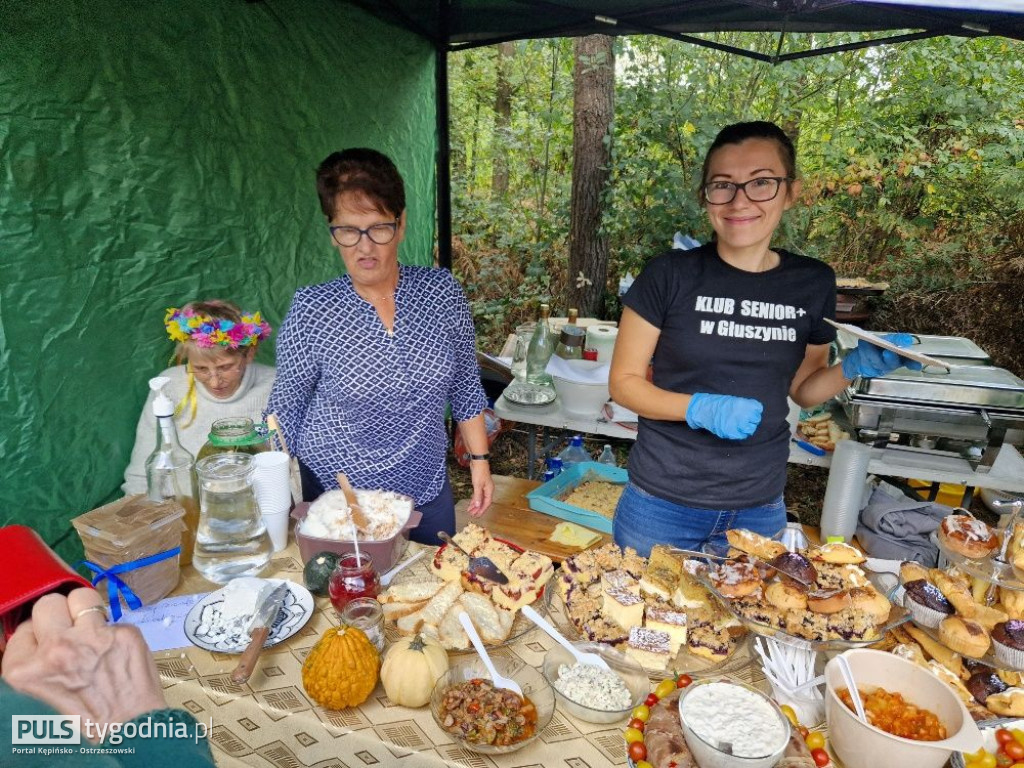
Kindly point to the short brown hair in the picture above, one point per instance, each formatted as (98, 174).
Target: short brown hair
(737, 133)
(363, 173)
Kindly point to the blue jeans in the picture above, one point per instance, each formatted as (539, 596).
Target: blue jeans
(438, 515)
(642, 520)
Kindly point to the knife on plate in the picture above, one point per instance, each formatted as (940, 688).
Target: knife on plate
(259, 628)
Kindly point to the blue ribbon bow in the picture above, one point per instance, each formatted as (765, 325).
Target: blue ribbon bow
(115, 585)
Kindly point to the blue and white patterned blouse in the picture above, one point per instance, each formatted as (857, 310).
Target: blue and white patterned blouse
(351, 397)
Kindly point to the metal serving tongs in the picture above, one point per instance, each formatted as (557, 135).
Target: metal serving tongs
(481, 566)
(745, 555)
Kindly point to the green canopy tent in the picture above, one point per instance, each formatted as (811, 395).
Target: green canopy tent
(156, 153)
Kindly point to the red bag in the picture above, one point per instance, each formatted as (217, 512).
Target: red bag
(31, 570)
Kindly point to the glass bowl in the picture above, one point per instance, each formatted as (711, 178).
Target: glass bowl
(632, 674)
(706, 752)
(465, 668)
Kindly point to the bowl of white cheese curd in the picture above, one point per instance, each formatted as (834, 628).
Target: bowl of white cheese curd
(591, 693)
(728, 724)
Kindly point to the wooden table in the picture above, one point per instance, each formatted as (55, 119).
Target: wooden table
(510, 517)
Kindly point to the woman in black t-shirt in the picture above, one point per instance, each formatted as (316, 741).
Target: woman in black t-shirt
(733, 327)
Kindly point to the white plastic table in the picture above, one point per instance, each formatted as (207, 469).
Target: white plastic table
(1006, 474)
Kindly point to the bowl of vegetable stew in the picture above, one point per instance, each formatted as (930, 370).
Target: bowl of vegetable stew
(489, 720)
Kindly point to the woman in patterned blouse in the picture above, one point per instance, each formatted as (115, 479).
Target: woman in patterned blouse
(369, 363)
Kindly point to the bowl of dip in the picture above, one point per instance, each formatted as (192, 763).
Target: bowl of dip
(591, 693)
(722, 711)
(862, 745)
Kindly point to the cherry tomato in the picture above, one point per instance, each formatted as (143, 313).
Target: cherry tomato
(632, 735)
(1003, 736)
(821, 757)
(665, 687)
(815, 740)
(1014, 750)
(1002, 761)
(803, 731)
(1018, 734)
(641, 712)
(637, 723)
(986, 761)
(651, 700)
(643, 764)
(790, 714)
(1017, 765)
(637, 751)
(683, 681)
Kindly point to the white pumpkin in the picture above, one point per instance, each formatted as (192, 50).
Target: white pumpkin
(411, 667)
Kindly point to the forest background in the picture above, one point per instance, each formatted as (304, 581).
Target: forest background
(912, 157)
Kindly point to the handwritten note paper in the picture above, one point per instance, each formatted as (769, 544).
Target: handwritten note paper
(163, 623)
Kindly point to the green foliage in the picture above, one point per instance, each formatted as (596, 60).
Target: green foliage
(912, 158)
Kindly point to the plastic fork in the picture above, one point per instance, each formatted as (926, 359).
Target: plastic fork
(499, 681)
(583, 657)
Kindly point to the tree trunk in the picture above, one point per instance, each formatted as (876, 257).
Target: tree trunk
(502, 121)
(593, 111)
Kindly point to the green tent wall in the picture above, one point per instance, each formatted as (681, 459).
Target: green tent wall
(153, 153)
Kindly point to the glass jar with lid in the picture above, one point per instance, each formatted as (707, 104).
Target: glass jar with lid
(238, 434)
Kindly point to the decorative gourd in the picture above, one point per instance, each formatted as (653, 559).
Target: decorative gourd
(341, 669)
(317, 573)
(411, 667)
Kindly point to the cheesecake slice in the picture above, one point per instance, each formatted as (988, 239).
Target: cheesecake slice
(650, 647)
(673, 623)
(619, 579)
(623, 607)
(659, 583)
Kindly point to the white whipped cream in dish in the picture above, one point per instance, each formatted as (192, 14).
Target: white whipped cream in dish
(723, 712)
(329, 516)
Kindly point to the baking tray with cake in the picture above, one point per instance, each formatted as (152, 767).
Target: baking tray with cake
(650, 608)
(585, 493)
(819, 599)
(428, 596)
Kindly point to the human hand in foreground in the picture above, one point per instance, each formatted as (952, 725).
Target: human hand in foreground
(729, 417)
(483, 488)
(869, 361)
(68, 657)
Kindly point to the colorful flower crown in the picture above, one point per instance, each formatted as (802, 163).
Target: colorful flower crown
(204, 331)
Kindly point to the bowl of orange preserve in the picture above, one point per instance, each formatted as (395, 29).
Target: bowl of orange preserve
(913, 717)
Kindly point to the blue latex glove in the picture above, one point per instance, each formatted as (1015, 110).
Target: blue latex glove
(870, 361)
(729, 417)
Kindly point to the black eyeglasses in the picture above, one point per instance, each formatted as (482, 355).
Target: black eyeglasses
(759, 190)
(381, 234)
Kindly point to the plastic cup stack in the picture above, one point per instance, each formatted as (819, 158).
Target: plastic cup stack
(844, 494)
(270, 485)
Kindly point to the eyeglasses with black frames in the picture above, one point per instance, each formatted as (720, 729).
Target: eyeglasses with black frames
(381, 234)
(759, 190)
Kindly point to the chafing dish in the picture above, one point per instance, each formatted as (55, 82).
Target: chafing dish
(955, 350)
(980, 404)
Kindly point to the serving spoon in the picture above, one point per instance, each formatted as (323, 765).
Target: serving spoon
(354, 510)
(480, 566)
(745, 557)
(583, 657)
(474, 637)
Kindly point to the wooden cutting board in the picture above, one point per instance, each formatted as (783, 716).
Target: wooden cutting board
(510, 517)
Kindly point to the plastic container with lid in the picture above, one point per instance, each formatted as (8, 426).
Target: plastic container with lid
(130, 529)
(235, 435)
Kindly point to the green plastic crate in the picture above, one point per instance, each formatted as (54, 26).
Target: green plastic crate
(548, 498)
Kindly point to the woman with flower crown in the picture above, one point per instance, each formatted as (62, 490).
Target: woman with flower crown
(215, 378)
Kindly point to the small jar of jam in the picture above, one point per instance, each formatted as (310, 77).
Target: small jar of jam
(353, 577)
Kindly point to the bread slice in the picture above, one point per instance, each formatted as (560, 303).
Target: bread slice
(410, 592)
(433, 612)
(394, 611)
(450, 632)
(484, 616)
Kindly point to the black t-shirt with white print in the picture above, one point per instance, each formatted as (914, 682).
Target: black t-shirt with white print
(730, 332)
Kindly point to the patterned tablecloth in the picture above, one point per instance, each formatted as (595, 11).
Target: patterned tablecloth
(271, 721)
